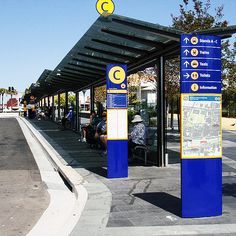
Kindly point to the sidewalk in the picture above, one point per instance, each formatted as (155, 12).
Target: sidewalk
(148, 199)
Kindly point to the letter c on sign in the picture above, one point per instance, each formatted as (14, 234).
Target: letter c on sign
(117, 75)
(102, 6)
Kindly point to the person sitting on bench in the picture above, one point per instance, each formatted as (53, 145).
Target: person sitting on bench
(101, 131)
(137, 136)
(68, 119)
(88, 130)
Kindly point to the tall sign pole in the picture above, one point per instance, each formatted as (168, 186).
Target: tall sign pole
(201, 135)
(117, 121)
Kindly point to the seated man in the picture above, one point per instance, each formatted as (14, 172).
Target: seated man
(88, 130)
(101, 131)
(69, 118)
(137, 136)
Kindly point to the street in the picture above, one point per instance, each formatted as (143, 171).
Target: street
(22, 193)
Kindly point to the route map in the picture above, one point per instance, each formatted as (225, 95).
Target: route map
(201, 126)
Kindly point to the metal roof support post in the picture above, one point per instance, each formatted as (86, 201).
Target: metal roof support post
(59, 107)
(77, 120)
(44, 103)
(48, 105)
(66, 103)
(91, 98)
(161, 113)
(53, 108)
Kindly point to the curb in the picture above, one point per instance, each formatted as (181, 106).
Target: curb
(75, 180)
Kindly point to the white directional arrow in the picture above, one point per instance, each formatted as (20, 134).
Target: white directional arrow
(187, 75)
(186, 40)
(186, 51)
(216, 41)
(186, 63)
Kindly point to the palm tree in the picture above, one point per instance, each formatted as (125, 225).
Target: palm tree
(2, 92)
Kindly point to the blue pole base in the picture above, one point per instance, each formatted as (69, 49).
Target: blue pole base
(201, 187)
(117, 158)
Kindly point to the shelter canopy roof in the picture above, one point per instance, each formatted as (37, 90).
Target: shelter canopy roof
(116, 39)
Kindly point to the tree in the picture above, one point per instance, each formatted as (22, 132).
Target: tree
(2, 92)
(229, 79)
(71, 99)
(198, 18)
(100, 94)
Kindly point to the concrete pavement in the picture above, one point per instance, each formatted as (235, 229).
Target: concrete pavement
(148, 201)
(64, 208)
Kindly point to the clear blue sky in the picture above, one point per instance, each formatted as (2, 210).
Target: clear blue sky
(37, 34)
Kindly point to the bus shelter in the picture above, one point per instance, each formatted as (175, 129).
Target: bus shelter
(119, 40)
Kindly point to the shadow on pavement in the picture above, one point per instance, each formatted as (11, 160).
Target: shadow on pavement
(99, 171)
(174, 156)
(229, 189)
(162, 200)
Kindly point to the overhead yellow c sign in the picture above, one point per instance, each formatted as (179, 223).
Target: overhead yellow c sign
(117, 75)
(105, 7)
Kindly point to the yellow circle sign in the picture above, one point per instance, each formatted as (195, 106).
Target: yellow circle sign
(194, 75)
(105, 7)
(117, 75)
(194, 63)
(194, 52)
(194, 87)
(194, 40)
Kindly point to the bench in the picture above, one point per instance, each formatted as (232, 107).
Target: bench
(141, 151)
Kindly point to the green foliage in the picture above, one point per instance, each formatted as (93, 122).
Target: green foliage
(199, 17)
(71, 99)
(194, 15)
(100, 94)
(3, 90)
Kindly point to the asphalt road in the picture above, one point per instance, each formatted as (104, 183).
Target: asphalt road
(23, 197)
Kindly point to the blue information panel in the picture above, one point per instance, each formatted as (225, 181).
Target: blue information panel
(200, 64)
(116, 100)
(201, 136)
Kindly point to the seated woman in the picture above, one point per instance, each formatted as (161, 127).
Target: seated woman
(101, 131)
(137, 136)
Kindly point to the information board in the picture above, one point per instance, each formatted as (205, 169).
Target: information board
(200, 79)
(201, 126)
(200, 64)
(117, 124)
(116, 100)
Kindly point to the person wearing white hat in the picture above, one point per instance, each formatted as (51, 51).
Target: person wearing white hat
(137, 136)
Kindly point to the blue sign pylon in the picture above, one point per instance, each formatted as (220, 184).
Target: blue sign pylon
(201, 144)
(117, 121)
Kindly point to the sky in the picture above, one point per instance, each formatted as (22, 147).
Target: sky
(37, 34)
